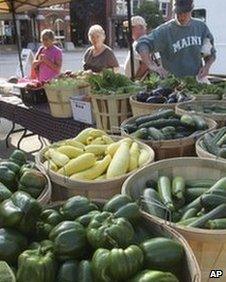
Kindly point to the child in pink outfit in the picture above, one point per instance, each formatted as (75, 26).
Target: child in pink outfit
(48, 59)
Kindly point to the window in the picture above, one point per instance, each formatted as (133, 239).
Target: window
(200, 14)
(164, 8)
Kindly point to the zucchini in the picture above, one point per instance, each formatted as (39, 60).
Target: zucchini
(222, 140)
(200, 183)
(218, 212)
(160, 123)
(164, 189)
(219, 185)
(130, 128)
(187, 221)
(211, 201)
(160, 114)
(222, 153)
(141, 133)
(192, 193)
(187, 120)
(116, 203)
(152, 203)
(155, 134)
(168, 131)
(130, 211)
(178, 188)
(189, 213)
(219, 135)
(200, 123)
(210, 144)
(219, 223)
(151, 184)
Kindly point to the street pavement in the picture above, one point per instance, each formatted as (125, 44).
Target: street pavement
(71, 61)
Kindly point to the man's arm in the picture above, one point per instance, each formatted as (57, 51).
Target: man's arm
(204, 71)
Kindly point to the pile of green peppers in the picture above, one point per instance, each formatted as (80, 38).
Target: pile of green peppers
(80, 241)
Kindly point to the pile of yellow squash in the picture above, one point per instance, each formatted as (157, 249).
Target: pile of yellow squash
(94, 155)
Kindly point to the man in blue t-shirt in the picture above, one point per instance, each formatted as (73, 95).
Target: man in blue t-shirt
(185, 44)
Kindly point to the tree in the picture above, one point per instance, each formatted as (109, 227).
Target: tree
(149, 10)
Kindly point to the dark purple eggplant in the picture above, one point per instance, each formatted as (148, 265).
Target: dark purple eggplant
(172, 100)
(142, 96)
(156, 99)
(161, 91)
(181, 98)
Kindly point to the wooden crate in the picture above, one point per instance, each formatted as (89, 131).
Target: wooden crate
(110, 111)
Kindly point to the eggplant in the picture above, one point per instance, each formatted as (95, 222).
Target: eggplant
(156, 99)
(171, 100)
(162, 91)
(142, 96)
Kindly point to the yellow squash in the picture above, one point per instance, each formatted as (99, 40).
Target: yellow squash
(82, 162)
(93, 172)
(120, 162)
(58, 158)
(96, 149)
(143, 158)
(70, 151)
(134, 156)
(82, 136)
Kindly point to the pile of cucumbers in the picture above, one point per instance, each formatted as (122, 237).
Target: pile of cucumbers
(206, 109)
(192, 203)
(165, 125)
(215, 142)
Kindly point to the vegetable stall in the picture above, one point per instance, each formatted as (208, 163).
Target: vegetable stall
(65, 212)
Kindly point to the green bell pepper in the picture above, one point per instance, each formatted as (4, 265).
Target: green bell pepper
(45, 245)
(12, 243)
(36, 266)
(117, 264)
(85, 271)
(69, 239)
(49, 219)
(86, 218)
(26, 166)
(20, 211)
(105, 231)
(5, 193)
(12, 166)
(77, 206)
(68, 271)
(18, 157)
(32, 182)
(7, 177)
(154, 276)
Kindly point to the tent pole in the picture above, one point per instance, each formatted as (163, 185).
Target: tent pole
(130, 39)
(17, 37)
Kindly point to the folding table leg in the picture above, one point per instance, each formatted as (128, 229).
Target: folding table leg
(8, 135)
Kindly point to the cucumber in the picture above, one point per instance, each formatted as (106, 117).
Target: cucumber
(187, 221)
(155, 134)
(219, 135)
(162, 254)
(130, 128)
(160, 123)
(187, 120)
(200, 123)
(116, 202)
(200, 183)
(222, 140)
(218, 212)
(164, 189)
(151, 184)
(222, 153)
(189, 213)
(211, 201)
(130, 211)
(218, 192)
(210, 144)
(141, 133)
(160, 114)
(169, 132)
(192, 193)
(219, 223)
(152, 203)
(178, 188)
(219, 185)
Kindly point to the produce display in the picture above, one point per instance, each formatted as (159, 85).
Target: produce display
(108, 83)
(93, 155)
(67, 83)
(84, 241)
(18, 174)
(186, 84)
(197, 203)
(215, 142)
(165, 125)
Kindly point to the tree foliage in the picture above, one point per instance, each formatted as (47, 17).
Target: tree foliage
(149, 10)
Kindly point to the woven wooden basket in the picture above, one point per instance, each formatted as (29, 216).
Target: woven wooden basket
(197, 108)
(206, 97)
(208, 246)
(139, 108)
(173, 148)
(64, 187)
(202, 153)
(191, 270)
(110, 111)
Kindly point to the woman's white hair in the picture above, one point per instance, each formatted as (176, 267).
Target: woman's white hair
(96, 29)
(48, 33)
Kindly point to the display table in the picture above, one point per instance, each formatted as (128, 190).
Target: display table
(38, 120)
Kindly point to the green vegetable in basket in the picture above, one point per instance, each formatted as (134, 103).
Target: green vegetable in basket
(68, 271)
(5, 193)
(18, 157)
(69, 239)
(37, 266)
(7, 177)
(154, 276)
(21, 212)
(105, 231)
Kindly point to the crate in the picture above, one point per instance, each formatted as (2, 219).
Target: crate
(33, 96)
(110, 111)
